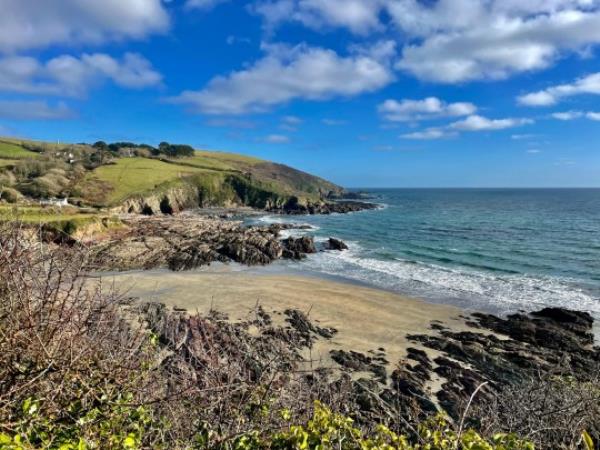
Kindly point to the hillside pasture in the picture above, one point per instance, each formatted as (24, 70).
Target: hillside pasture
(132, 176)
(12, 151)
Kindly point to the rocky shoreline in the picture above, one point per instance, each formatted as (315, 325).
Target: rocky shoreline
(546, 358)
(187, 242)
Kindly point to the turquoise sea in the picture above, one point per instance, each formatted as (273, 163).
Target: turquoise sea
(497, 250)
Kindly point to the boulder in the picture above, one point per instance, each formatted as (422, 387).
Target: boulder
(336, 244)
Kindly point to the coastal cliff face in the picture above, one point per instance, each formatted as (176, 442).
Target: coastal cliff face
(232, 191)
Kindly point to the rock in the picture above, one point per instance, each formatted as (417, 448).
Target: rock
(336, 244)
(294, 207)
(299, 321)
(297, 248)
(359, 362)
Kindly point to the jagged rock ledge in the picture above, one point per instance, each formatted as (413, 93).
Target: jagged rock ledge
(293, 207)
(186, 242)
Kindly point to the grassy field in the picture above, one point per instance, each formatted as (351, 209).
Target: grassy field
(131, 176)
(9, 150)
(35, 214)
(8, 162)
(219, 161)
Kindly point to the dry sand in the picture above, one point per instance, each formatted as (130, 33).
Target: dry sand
(366, 318)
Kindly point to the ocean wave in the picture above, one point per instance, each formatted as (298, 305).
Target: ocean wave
(493, 292)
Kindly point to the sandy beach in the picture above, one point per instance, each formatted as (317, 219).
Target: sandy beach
(367, 319)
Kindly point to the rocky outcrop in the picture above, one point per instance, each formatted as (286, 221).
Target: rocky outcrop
(165, 201)
(294, 207)
(185, 242)
(345, 195)
(501, 359)
(335, 244)
(297, 248)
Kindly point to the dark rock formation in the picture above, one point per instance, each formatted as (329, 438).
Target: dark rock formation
(350, 196)
(297, 248)
(553, 339)
(294, 207)
(335, 244)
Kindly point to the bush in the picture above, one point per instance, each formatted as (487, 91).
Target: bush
(82, 367)
(7, 178)
(10, 195)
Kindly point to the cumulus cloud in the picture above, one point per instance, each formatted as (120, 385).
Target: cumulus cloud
(453, 41)
(27, 24)
(480, 123)
(472, 123)
(429, 134)
(499, 41)
(277, 139)
(360, 16)
(589, 84)
(34, 110)
(428, 108)
(593, 116)
(289, 73)
(67, 75)
(572, 115)
(567, 115)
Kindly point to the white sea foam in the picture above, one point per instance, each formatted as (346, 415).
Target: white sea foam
(466, 288)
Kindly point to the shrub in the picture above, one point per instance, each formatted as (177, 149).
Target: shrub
(7, 178)
(10, 195)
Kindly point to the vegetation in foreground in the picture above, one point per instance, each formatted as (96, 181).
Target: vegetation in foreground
(83, 367)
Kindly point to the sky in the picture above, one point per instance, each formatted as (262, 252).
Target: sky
(366, 93)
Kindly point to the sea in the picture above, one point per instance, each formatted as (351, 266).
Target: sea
(493, 250)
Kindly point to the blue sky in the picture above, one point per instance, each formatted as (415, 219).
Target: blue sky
(379, 93)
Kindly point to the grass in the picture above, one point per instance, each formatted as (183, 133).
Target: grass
(9, 150)
(8, 162)
(231, 159)
(38, 214)
(131, 176)
(219, 161)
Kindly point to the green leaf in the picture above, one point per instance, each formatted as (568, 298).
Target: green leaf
(129, 441)
(587, 440)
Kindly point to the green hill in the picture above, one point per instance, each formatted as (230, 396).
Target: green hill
(132, 176)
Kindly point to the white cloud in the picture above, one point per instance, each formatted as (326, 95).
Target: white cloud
(34, 110)
(360, 16)
(593, 116)
(472, 123)
(26, 24)
(429, 134)
(67, 75)
(453, 41)
(589, 84)
(567, 115)
(480, 123)
(499, 44)
(534, 151)
(277, 139)
(286, 74)
(428, 108)
(572, 115)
